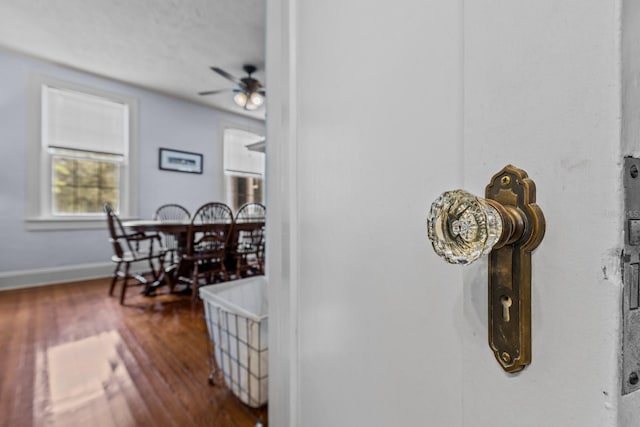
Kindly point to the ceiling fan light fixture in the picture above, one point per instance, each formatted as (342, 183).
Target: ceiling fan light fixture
(248, 101)
(251, 106)
(240, 99)
(256, 99)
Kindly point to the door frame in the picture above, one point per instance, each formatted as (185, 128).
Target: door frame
(282, 220)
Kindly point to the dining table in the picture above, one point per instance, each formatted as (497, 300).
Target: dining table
(180, 229)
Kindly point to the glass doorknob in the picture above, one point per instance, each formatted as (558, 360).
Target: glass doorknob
(463, 227)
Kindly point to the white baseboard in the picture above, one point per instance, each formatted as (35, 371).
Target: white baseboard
(50, 276)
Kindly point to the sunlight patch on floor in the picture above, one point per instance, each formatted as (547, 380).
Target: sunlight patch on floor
(85, 382)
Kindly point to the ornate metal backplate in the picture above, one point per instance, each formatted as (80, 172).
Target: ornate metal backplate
(510, 270)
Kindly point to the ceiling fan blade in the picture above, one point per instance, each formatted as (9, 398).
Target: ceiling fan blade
(226, 75)
(212, 92)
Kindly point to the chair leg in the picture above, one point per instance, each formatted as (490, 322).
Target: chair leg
(225, 273)
(154, 273)
(125, 281)
(173, 256)
(168, 276)
(161, 261)
(115, 278)
(194, 281)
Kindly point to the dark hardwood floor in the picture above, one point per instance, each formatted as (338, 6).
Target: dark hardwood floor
(72, 356)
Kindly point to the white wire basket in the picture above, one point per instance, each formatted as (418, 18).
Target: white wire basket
(236, 316)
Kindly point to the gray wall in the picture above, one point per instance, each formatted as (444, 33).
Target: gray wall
(163, 122)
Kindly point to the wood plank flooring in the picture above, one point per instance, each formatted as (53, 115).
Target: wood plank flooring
(73, 356)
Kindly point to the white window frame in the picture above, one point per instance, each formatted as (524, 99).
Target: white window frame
(227, 126)
(38, 163)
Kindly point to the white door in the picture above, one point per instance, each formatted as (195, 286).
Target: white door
(374, 109)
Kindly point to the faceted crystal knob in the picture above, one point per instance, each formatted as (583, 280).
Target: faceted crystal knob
(463, 227)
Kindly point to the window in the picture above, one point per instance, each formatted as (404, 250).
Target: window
(84, 149)
(82, 181)
(243, 167)
(243, 189)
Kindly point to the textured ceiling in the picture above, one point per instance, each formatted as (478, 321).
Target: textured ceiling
(163, 45)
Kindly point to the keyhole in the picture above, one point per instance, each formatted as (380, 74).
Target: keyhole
(506, 303)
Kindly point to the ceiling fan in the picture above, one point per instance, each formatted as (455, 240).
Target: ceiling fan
(249, 92)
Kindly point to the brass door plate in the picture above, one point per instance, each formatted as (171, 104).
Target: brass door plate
(510, 269)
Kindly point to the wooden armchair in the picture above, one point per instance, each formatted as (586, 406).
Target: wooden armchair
(246, 248)
(207, 241)
(251, 212)
(131, 248)
(167, 213)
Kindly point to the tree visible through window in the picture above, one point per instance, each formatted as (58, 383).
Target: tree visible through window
(82, 185)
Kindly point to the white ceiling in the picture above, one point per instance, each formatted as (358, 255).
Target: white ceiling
(162, 45)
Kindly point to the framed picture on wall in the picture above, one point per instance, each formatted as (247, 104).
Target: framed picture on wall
(180, 161)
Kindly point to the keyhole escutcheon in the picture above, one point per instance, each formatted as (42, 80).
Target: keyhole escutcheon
(506, 304)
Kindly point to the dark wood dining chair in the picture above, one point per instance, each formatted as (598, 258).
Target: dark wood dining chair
(167, 213)
(246, 247)
(133, 248)
(251, 212)
(207, 241)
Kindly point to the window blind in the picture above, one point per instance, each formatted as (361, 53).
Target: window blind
(84, 122)
(237, 157)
